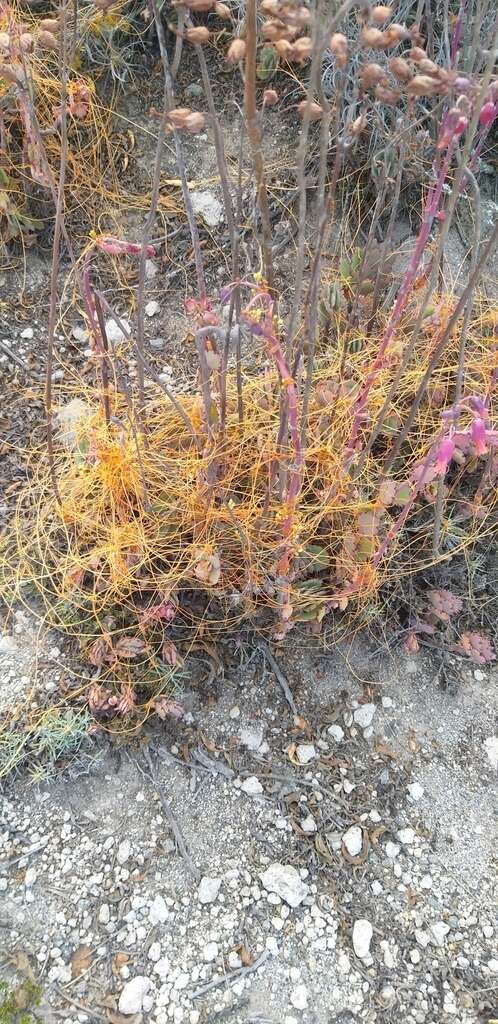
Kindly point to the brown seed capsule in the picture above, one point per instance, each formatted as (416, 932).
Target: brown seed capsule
(197, 34)
(381, 14)
(386, 95)
(26, 42)
(358, 125)
(195, 5)
(423, 85)
(273, 30)
(373, 37)
(371, 75)
(339, 46)
(302, 16)
(50, 25)
(302, 49)
(47, 41)
(270, 97)
(393, 35)
(313, 110)
(428, 67)
(236, 51)
(12, 72)
(269, 7)
(283, 48)
(223, 11)
(400, 69)
(416, 53)
(178, 116)
(195, 122)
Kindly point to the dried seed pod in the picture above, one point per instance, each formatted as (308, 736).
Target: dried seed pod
(386, 95)
(194, 5)
(446, 78)
(315, 110)
(395, 33)
(26, 42)
(50, 25)
(223, 11)
(197, 34)
(269, 7)
(47, 41)
(4, 41)
(178, 115)
(274, 30)
(339, 46)
(381, 14)
(400, 69)
(358, 125)
(283, 48)
(195, 122)
(372, 74)
(12, 73)
(428, 67)
(423, 85)
(270, 97)
(303, 16)
(373, 38)
(236, 51)
(417, 53)
(302, 49)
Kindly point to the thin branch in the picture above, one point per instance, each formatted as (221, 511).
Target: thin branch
(233, 976)
(441, 345)
(170, 817)
(254, 135)
(151, 371)
(180, 158)
(279, 675)
(56, 252)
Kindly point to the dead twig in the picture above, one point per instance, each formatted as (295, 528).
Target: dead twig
(169, 815)
(13, 355)
(279, 675)
(80, 1006)
(227, 978)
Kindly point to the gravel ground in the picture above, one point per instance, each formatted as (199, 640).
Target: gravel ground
(337, 867)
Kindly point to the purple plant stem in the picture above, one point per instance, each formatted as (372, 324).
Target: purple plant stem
(457, 34)
(431, 209)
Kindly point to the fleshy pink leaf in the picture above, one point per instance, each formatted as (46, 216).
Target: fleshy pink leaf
(129, 647)
(411, 644)
(444, 604)
(117, 247)
(387, 491)
(476, 647)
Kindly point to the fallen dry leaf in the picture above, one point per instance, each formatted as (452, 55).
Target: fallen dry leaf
(81, 960)
(119, 961)
(245, 955)
(381, 747)
(376, 833)
(20, 961)
(413, 742)
(323, 850)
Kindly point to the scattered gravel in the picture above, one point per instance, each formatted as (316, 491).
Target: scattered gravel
(358, 881)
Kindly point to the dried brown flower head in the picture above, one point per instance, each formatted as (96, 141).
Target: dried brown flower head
(236, 51)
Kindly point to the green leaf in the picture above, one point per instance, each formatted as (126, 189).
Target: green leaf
(267, 63)
(319, 558)
(403, 493)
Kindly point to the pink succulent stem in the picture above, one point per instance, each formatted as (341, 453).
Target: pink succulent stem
(431, 209)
